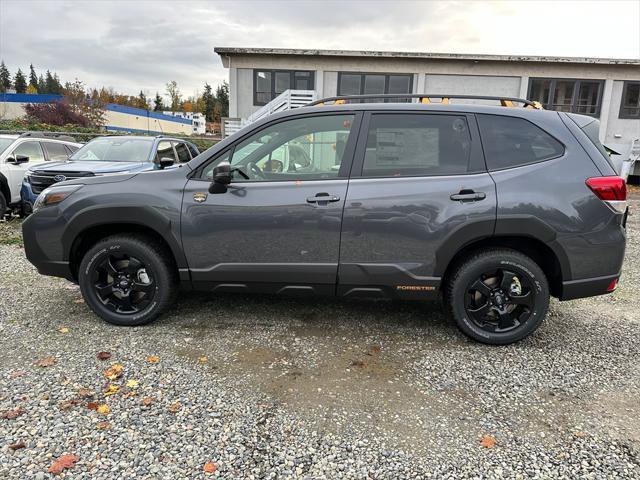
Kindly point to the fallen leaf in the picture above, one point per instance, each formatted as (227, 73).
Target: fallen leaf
(103, 425)
(581, 434)
(132, 383)
(153, 359)
(174, 407)
(357, 363)
(45, 396)
(114, 372)
(46, 362)
(17, 446)
(68, 404)
(93, 405)
(488, 441)
(146, 401)
(103, 355)
(210, 467)
(103, 409)
(130, 393)
(11, 414)
(374, 350)
(203, 359)
(111, 390)
(17, 374)
(63, 330)
(62, 463)
(86, 392)
(79, 300)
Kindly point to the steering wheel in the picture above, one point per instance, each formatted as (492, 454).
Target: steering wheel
(255, 170)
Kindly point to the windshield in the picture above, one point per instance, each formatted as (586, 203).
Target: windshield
(115, 150)
(5, 142)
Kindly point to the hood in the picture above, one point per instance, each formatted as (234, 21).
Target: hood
(94, 167)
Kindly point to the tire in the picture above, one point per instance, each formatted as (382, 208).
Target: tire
(3, 206)
(508, 304)
(140, 262)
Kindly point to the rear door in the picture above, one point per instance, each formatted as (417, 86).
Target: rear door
(277, 227)
(419, 189)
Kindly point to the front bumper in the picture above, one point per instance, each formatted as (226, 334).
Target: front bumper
(41, 238)
(27, 196)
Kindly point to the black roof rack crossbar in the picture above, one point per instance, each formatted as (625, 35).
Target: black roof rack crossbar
(426, 98)
(44, 134)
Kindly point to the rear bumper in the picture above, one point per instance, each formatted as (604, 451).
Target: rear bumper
(587, 287)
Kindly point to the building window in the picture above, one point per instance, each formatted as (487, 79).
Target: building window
(568, 95)
(374, 83)
(630, 104)
(268, 84)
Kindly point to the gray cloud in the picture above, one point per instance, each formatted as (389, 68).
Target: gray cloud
(140, 45)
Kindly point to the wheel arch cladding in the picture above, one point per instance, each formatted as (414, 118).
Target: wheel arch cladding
(540, 252)
(4, 188)
(88, 228)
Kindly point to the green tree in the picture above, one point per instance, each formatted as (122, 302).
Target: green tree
(42, 85)
(158, 104)
(5, 78)
(20, 82)
(174, 94)
(49, 82)
(209, 103)
(33, 78)
(222, 97)
(141, 101)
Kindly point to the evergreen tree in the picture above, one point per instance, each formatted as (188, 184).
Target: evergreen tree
(20, 82)
(57, 86)
(33, 78)
(42, 86)
(5, 78)
(209, 103)
(142, 101)
(158, 105)
(222, 97)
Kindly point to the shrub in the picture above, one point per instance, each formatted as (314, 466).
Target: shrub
(56, 113)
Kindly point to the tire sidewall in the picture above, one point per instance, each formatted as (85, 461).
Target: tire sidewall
(150, 261)
(517, 264)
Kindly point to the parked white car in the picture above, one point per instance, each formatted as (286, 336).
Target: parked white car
(20, 152)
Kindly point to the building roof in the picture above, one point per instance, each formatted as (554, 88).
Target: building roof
(230, 51)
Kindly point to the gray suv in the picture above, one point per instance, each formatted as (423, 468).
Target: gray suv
(493, 208)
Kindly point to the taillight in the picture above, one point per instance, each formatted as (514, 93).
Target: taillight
(612, 190)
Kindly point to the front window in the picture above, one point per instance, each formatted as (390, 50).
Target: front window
(115, 149)
(308, 148)
(268, 84)
(165, 150)
(31, 150)
(374, 83)
(630, 105)
(568, 95)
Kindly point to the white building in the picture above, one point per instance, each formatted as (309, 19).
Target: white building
(605, 88)
(198, 119)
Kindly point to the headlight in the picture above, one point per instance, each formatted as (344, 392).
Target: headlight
(54, 195)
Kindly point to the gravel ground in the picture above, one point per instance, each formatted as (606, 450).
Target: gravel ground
(266, 387)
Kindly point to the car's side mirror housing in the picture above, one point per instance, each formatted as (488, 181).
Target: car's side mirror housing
(18, 159)
(166, 162)
(221, 178)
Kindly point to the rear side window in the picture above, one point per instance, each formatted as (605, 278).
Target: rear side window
(182, 151)
(417, 144)
(55, 151)
(510, 142)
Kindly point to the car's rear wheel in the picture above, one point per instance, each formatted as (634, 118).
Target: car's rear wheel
(128, 279)
(497, 296)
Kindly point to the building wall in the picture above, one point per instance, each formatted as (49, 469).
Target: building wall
(122, 118)
(473, 85)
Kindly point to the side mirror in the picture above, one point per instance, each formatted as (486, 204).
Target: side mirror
(221, 178)
(18, 159)
(166, 162)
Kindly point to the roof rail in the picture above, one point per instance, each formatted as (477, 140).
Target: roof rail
(426, 98)
(54, 135)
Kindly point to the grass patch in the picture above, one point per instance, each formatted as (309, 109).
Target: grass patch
(11, 232)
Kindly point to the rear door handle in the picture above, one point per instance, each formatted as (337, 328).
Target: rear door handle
(323, 198)
(468, 196)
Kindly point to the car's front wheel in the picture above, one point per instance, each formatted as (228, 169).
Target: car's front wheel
(497, 296)
(128, 279)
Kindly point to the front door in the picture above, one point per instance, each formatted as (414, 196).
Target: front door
(419, 189)
(277, 227)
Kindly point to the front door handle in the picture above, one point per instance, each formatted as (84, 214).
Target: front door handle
(466, 195)
(323, 198)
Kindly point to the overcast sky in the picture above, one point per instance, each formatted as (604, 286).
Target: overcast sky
(140, 45)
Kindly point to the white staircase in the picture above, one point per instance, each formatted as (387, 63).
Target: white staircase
(285, 101)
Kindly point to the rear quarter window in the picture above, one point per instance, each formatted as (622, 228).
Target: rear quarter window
(511, 142)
